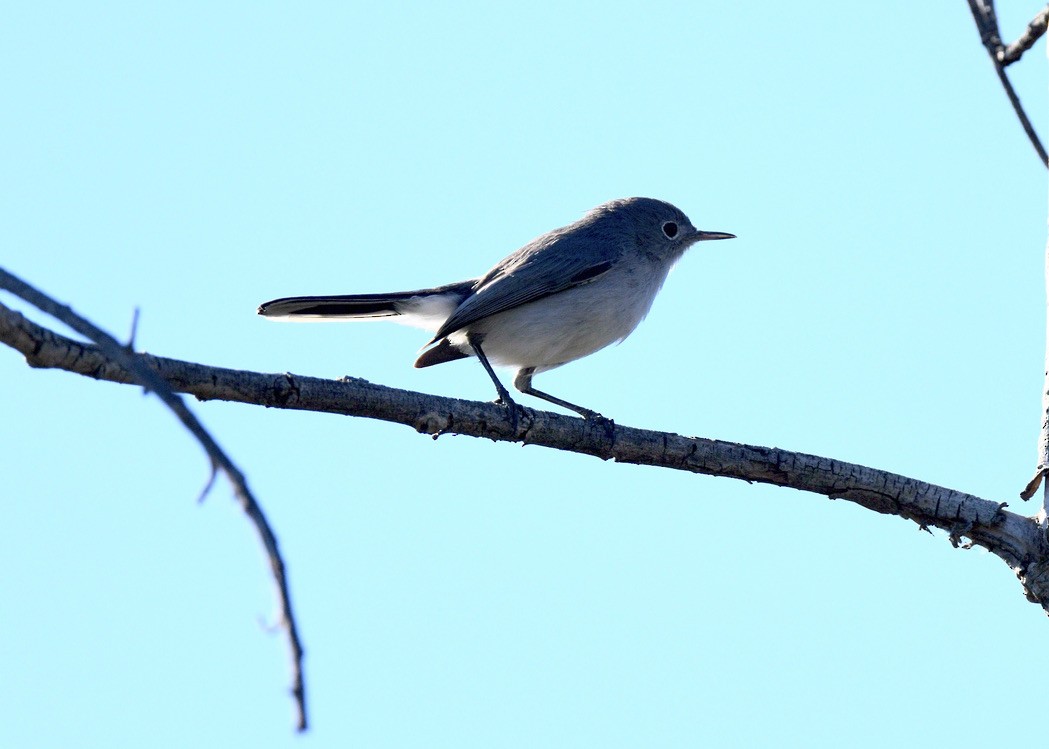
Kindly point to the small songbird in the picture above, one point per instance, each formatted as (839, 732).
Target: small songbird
(561, 297)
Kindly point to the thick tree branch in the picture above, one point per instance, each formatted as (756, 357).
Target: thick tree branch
(136, 369)
(987, 24)
(969, 520)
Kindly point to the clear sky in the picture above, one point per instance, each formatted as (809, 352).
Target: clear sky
(883, 304)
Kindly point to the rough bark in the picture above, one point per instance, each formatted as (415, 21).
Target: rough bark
(969, 520)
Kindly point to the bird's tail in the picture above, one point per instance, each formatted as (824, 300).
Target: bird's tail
(424, 308)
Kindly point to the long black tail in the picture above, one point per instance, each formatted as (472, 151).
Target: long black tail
(348, 305)
(359, 305)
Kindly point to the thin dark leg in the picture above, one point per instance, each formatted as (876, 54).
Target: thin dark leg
(523, 382)
(504, 394)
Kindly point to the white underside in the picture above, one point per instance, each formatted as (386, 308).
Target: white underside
(566, 326)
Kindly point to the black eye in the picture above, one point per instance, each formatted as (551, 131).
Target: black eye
(670, 229)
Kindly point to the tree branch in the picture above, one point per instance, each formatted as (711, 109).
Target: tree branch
(987, 24)
(968, 520)
(136, 369)
(1034, 31)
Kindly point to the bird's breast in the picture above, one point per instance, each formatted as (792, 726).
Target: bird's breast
(571, 324)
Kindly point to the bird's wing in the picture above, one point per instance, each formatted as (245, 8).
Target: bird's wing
(550, 264)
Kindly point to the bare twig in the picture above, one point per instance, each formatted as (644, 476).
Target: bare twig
(1014, 538)
(1022, 115)
(1035, 29)
(987, 24)
(134, 330)
(137, 370)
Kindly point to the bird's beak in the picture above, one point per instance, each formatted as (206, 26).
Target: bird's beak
(702, 236)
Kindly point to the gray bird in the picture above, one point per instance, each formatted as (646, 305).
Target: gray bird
(561, 297)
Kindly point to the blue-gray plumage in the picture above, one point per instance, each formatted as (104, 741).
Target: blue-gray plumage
(561, 297)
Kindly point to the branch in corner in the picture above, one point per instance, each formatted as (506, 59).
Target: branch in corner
(136, 369)
(987, 24)
(1034, 31)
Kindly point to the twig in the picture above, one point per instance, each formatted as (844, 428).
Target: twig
(134, 330)
(987, 25)
(1021, 114)
(1016, 539)
(138, 371)
(1035, 29)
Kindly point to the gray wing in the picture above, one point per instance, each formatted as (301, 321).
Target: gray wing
(550, 264)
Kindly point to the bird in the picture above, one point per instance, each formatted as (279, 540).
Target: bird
(561, 297)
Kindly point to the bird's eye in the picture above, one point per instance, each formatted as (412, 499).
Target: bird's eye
(670, 229)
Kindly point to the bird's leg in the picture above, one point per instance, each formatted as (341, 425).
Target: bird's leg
(523, 382)
(504, 394)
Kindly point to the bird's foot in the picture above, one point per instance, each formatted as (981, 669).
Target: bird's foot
(603, 421)
(512, 410)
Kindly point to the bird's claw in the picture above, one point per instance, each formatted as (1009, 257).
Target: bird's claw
(603, 421)
(512, 408)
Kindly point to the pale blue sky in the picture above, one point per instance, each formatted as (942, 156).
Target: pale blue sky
(884, 304)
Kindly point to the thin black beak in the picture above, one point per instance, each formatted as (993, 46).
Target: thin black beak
(702, 236)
